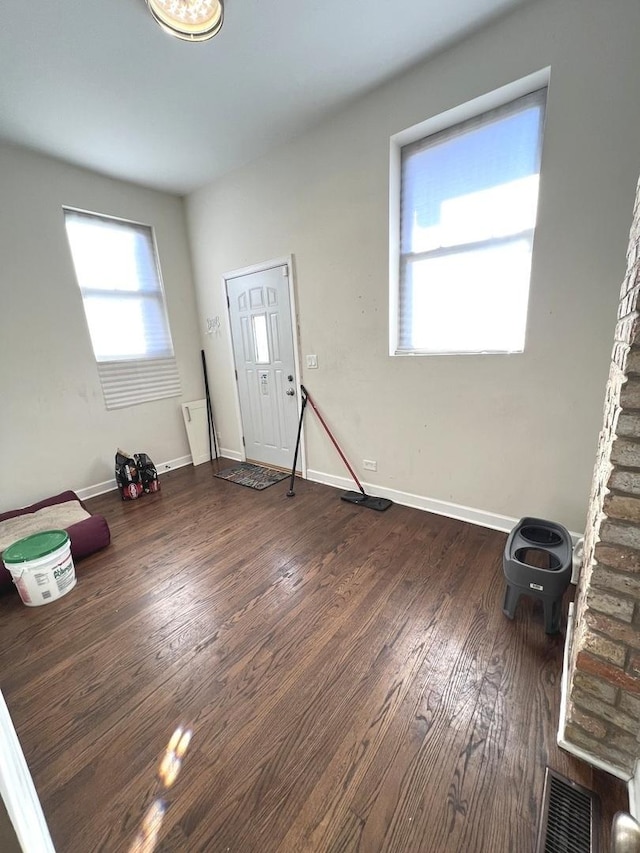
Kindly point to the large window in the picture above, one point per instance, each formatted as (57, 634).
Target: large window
(118, 273)
(467, 199)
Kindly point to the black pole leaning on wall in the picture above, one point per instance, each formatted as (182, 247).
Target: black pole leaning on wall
(211, 429)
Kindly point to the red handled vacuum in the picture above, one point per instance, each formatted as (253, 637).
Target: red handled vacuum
(361, 498)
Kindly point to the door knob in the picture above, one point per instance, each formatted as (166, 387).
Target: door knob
(290, 392)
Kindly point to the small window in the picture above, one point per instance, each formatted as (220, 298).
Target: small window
(261, 338)
(468, 197)
(118, 273)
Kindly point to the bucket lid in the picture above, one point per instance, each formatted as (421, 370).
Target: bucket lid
(35, 546)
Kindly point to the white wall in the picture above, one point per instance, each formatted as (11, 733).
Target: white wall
(506, 434)
(55, 432)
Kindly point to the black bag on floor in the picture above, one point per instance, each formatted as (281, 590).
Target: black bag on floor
(127, 476)
(148, 473)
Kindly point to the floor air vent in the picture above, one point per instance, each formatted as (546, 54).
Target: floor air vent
(570, 817)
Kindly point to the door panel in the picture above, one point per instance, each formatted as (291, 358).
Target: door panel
(263, 349)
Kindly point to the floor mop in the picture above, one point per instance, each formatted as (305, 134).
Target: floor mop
(361, 497)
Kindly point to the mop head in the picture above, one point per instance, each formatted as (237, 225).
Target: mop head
(379, 504)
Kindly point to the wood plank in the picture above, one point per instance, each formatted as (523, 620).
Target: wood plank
(350, 679)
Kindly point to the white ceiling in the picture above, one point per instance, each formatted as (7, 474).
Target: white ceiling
(97, 83)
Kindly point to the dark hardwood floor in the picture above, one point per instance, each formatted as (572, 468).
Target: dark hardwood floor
(349, 677)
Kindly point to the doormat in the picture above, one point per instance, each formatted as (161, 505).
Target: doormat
(253, 476)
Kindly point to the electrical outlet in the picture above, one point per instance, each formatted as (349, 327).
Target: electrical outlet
(369, 465)
(312, 361)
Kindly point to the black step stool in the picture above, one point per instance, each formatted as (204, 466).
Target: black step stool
(538, 562)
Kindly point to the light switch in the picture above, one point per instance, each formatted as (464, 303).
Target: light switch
(312, 361)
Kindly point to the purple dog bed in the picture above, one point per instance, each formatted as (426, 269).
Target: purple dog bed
(89, 535)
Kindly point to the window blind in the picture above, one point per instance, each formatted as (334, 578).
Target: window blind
(127, 383)
(468, 204)
(118, 274)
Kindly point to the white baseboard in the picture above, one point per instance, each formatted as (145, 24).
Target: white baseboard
(481, 517)
(225, 454)
(200, 459)
(111, 486)
(180, 462)
(222, 452)
(97, 489)
(18, 791)
(231, 454)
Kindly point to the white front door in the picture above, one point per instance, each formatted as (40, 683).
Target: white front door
(263, 349)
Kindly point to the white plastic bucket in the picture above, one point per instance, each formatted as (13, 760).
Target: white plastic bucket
(41, 567)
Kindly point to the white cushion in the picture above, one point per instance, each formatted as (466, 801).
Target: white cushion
(56, 517)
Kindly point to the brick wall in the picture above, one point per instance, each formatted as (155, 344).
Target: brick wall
(603, 698)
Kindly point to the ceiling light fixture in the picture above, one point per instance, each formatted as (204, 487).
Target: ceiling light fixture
(191, 20)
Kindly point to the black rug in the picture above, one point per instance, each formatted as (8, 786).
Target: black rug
(252, 476)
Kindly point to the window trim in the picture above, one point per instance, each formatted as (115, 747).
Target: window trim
(463, 112)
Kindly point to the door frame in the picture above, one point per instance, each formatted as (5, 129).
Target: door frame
(287, 261)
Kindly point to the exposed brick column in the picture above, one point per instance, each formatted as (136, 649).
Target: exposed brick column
(603, 699)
